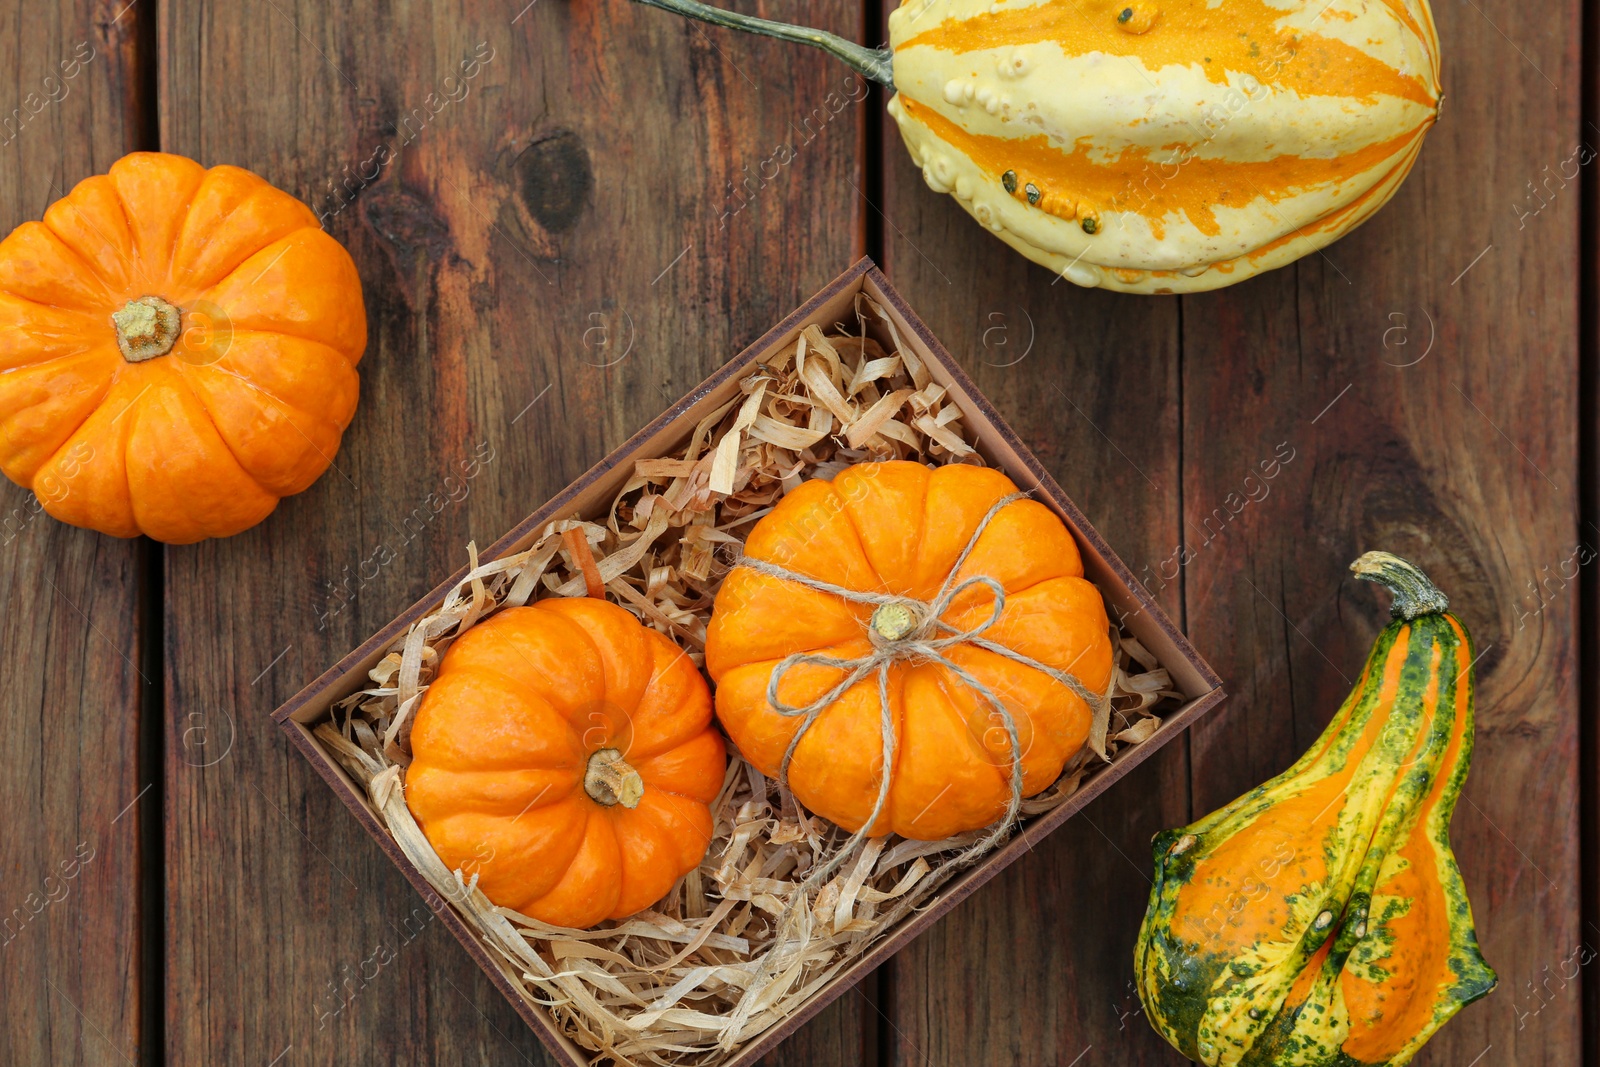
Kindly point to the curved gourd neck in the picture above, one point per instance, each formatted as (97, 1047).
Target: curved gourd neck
(873, 63)
(1414, 594)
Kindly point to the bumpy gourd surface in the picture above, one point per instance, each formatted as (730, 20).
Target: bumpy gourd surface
(899, 528)
(1165, 145)
(250, 404)
(503, 738)
(1320, 919)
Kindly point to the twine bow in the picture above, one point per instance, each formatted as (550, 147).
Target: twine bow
(905, 629)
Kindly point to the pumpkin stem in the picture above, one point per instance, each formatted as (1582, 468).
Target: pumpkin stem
(873, 63)
(895, 621)
(146, 328)
(1414, 595)
(610, 779)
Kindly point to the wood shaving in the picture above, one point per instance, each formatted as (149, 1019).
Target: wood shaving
(734, 948)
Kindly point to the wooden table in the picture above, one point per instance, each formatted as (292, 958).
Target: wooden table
(553, 250)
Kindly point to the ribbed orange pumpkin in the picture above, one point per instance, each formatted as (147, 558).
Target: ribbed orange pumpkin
(899, 528)
(565, 755)
(177, 350)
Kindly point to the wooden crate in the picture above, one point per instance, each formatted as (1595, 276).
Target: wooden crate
(1127, 602)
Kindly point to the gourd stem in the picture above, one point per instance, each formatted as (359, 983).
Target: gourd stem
(609, 779)
(146, 328)
(1414, 594)
(873, 63)
(895, 621)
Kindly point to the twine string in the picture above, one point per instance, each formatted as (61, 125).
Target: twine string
(918, 645)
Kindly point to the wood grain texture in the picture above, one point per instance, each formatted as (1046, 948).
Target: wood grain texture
(556, 246)
(553, 250)
(1465, 461)
(71, 946)
(1429, 396)
(1037, 967)
(1588, 460)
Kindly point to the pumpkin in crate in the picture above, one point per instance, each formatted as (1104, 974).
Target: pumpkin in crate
(1320, 919)
(178, 350)
(1153, 146)
(564, 756)
(943, 590)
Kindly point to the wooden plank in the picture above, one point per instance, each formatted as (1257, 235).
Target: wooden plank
(1037, 967)
(75, 675)
(554, 250)
(1423, 372)
(1588, 399)
(1406, 459)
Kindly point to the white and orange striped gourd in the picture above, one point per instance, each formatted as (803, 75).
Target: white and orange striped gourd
(1155, 146)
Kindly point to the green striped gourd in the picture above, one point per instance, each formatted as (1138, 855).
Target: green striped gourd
(1320, 919)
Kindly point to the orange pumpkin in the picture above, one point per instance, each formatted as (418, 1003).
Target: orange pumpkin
(900, 528)
(177, 350)
(565, 755)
